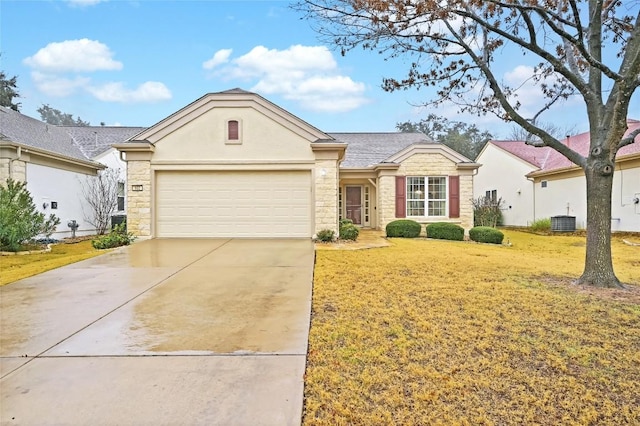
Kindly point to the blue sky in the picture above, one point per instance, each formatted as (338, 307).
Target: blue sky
(135, 62)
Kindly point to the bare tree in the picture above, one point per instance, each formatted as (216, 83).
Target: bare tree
(101, 197)
(519, 134)
(588, 49)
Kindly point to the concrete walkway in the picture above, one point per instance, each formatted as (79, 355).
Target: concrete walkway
(162, 332)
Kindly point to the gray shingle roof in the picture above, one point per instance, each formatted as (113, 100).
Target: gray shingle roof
(94, 140)
(24, 130)
(79, 142)
(368, 149)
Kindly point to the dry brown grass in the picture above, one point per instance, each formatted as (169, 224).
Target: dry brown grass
(17, 267)
(437, 332)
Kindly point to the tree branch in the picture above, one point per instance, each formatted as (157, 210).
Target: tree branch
(629, 139)
(546, 138)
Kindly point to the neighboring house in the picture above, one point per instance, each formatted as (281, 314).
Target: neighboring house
(96, 142)
(537, 183)
(233, 164)
(54, 164)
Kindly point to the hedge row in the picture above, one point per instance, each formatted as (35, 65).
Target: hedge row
(406, 228)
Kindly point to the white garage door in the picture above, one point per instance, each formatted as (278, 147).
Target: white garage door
(233, 204)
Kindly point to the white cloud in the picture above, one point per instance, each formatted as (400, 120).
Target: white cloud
(151, 91)
(529, 93)
(219, 58)
(74, 55)
(83, 3)
(57, 86)
(308, 75)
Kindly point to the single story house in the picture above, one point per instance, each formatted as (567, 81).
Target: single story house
(536, 183)
(233, 164)
(55, 161)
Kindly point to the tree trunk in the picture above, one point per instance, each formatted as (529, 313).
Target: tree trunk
(598, 267)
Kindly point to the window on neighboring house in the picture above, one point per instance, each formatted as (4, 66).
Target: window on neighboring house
(120, 196)
(426, 196)
(543, 184)
(492, 195)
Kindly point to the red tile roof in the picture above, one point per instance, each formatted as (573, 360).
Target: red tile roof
(548, 159)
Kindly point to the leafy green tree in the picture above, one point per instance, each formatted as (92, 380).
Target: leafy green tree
(582, 49)
(19, 219)
(55, 116)
(9, 91)
(467, 139)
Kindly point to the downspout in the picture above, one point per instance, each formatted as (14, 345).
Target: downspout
(18, 156)
(533, 183)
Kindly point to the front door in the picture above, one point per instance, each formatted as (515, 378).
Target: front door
(354, 204)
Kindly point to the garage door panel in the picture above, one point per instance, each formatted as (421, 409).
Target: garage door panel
(233, 204)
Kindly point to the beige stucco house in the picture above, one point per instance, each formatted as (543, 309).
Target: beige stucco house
(233, 164)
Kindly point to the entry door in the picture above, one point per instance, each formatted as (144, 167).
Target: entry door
(354, 204)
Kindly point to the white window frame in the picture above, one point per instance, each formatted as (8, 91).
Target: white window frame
(122, 187)
(417, 190)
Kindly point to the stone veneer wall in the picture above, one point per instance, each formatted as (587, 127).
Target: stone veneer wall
(326, 194)
(15, 169)
(5, 165)
(426, 165)
(139, 202)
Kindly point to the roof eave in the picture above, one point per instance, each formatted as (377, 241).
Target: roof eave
(468, 166)
(135, 146)
(540, 173)
(54, 155)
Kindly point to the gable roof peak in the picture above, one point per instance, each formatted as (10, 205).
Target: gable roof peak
(236, 90)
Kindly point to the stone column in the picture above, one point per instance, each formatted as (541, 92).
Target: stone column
(326, 192)
(139, 200)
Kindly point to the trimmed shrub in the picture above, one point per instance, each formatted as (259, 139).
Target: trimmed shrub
(345, 222)
(326, 235)
(541, 225)
(445, 231)
(349, 232)
(403, 228)
(486, 234)
(116, 238)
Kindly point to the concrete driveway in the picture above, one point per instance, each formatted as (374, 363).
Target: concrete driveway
(166, 331)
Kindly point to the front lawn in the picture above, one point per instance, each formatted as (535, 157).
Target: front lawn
(437, 332)
(17, 267)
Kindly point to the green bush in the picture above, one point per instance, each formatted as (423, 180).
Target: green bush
(541, 225)
(326, 235)
(19, 219)
(486, 234)
(116, 238)
(403, 228)
(445, 231)
(349, 232)
(345, 222)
